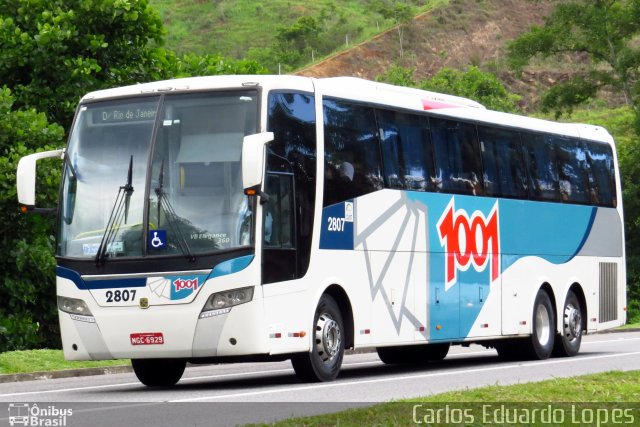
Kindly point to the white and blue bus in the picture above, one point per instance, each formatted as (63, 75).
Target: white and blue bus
(247, 218)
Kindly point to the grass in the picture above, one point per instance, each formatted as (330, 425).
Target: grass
(609, 390)
(15, 362)
(630, 326)
(233, 27)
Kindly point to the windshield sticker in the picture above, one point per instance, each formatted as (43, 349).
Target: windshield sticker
(217, 238)
(91, 249)
(157, 239)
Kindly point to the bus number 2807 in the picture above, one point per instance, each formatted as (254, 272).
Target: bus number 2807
(336, 224)
(121, 296)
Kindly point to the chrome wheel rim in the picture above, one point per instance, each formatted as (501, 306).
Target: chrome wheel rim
(572, 324)
(328, 338)
(543, 326)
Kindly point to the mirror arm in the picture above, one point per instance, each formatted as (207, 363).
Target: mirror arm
(65, 157)
(256, 191)
(40, 211)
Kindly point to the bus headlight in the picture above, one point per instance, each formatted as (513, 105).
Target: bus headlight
(227, 299)
(73, 306)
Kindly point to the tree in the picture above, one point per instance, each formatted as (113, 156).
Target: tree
(474, 83)
(604, 33)
(51, 53)
(54, 51)
(295, 43)
(401, 12)
(28, 315)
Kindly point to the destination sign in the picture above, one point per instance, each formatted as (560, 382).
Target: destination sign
(123, 115)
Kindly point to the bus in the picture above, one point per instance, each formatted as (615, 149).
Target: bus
(250, 218)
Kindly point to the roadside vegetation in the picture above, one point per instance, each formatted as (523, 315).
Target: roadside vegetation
(280, 34)
(27, 361)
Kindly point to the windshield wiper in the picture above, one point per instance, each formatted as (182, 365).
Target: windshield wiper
(172, 216)
(119, 211)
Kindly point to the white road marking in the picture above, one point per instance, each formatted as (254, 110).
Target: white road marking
(404, 377)
(275, 371)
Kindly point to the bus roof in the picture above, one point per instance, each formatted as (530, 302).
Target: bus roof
(364, 91)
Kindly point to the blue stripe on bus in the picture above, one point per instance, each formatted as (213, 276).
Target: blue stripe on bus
(68, 274)
(231, 266)
(139, 282)
(224, 268)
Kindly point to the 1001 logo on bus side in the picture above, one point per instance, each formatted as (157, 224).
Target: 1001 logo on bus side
(469, 241)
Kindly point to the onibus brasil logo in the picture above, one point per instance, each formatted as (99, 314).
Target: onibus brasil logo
(25, 414)
(469, 241)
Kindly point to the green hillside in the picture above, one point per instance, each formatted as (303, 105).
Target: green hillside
(245, 28)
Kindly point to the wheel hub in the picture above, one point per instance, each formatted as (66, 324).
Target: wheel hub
(328, 337)
(543, 327)
(572, 322)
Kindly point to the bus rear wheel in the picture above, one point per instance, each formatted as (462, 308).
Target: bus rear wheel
(158, 372)
(324, 360)
(413, 354)
(568, 342)
(540, 344)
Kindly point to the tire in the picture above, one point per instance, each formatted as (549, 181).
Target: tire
(413, 354)
(510, 349)
(539, 345)
(391, 355)
(568, 341)
(436, 352)
(158, 372)
(324, 360)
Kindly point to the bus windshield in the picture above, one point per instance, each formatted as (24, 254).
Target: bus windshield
(158, 175)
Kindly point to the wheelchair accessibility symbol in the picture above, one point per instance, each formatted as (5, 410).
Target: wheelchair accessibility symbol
(157, 239)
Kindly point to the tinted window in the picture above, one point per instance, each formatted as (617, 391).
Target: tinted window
(602, 178)
(540, 158)
(292, 119)
(352, 152)
(572, 170)
(406, 150)
(458, 167)
(504, 172)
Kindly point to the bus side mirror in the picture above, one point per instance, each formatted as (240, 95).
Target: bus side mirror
(26, 177)
(253, 149)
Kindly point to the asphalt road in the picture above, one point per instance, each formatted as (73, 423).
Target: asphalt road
(219, 395)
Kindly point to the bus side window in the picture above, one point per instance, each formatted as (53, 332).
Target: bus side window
(458, 167)
(540, 157)
(601, 178)
(504, 171)
(352, 153)
(279, 221)
(572, 170)
(406, 150)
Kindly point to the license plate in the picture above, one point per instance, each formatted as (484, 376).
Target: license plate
(147, 338)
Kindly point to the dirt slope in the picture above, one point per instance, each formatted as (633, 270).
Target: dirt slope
(465, 33)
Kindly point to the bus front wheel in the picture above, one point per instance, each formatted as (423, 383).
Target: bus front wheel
(324, 360)
(158, 372)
